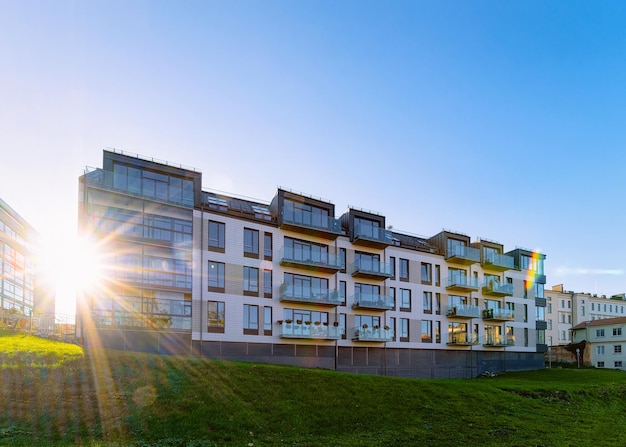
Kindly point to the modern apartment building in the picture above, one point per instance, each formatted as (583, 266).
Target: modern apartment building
(18, 241)
(286, 281)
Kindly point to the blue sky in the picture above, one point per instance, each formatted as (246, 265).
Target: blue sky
(498, 119)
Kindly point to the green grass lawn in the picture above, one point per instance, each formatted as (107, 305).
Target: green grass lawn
(111, 399)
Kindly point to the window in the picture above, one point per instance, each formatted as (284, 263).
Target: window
(367, 262)
(404, 269)
(251, 281)
(593, 306)
(343, 292)
(250, 243)
(215, 316)
(343, 260)
(617, 331)
(525, 289)
(342, 325)
(392, 266)
(267, 246)
(404, 329)
(549, 323)
(216, 236)
(267, 283)
(427, 331)
(392, 294)
(304, 288)
(437, 275)
(438, 303)
(600, 364)
(539, 290)
(267, 320)
(582, 310)
(549, 308)
(617, 364)
(405, 300)
(392, 328)
(250, 319)
(426, 271)
(600, 350)
(216, 276)
(437, 331)
(305, 251)
(599, 332)
(617, 349)
(306, 215)
(427, 306)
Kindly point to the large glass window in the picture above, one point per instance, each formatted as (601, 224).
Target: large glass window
(405, 300)
(427, 306)
(305, 215)
(426, 272)
(367, 293)
(267, 246)
(251, 280)
(250, 319)
(404, 269)
(251, 242)
(305, 286)
(404, 329)
(367, 261)
(217, 237)
(427, 331)
(267, 320)
(305, 251)
(216, 316)
(153, 184)
(267, 283)
(216, 276)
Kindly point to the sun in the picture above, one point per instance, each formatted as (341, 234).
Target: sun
(69, 265)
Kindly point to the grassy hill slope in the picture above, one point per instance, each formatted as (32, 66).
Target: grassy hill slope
(113, 399)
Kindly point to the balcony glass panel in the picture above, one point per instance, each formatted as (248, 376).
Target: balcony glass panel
(372, 334)
(372, 267)
(498, 260)
(464, 311)
(311, 257)
(307, 216)
(304, 294)
(463, 252)
(373, 301)
(372, 233)
(498, 314)
(462, 281)
(497, 288)
(463, 339)
(321, 331)
(498, 340)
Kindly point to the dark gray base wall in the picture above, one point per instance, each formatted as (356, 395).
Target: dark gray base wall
(397, 362)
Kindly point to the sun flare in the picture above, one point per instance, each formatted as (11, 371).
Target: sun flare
(71, 266)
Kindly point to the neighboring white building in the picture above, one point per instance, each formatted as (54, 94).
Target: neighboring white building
(566, 309)
(605, 339)
(286, 281)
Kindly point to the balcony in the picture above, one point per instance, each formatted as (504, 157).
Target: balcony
(319, 262)
(461, 283)
(498, 341)
(498, 315)
(463, 255)
(365, 333)
(371, 236)
(318, 331)
(463, 311)
(372, 302)
(327, 228)
(371, 270)
(498, 262)
(496, 288)
(541, 325)
(323, 297)
(463, 339)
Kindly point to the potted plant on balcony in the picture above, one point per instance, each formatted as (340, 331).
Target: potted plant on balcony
(325, 323)
(280, 322)
(335, 323)
(317, 323)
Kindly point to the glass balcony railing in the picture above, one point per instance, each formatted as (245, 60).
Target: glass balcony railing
(288, 292)
(463, 254)
(462, 282)
(312, 222)
(463, 339)
(370, 233)
(497, 288)
(310, 259)
(463, 311)
(498, 340)
(99, 178)
(376, 333)
(313, 330)
(495, 261)
(372, 301)
(371, 268)
(498, 314)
